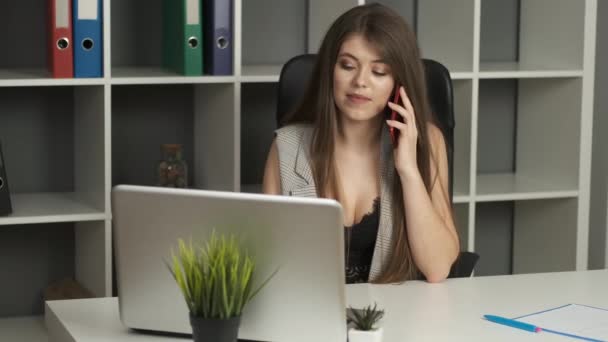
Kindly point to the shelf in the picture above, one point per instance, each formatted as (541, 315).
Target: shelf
(490, 70)
(50, 207)
(137, 46)
(274, 36)
(461, 75)
(258, 123)
(53, 142)
(405, 8)
(461, 220)
(460, 195)
(512, 112)
(551, 224)
(450, 43)
(41, 77)
(463, 106)
(270, 73)
(546, 35)
(199, 116)
(461, 198)
(493, 237)
(24, 57)
(508, 234)
(157, 75)
(136, 39)
(27, 328)
(508, 186)
(261, 73)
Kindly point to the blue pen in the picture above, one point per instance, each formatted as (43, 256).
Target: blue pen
(512, 323)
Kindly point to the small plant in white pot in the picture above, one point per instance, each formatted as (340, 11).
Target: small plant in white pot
(364, 324)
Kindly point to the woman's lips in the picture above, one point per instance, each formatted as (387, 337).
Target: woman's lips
(358, 99)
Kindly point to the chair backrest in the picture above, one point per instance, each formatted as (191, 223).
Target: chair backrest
(295, 76)
(296, 73)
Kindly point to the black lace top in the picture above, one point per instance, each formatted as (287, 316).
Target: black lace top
(359, 243)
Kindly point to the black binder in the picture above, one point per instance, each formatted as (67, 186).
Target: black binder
(5, 198)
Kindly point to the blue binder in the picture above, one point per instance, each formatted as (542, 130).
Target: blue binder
(217, 41)
(88, 42)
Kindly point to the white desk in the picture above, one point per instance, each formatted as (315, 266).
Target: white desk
(415, 311)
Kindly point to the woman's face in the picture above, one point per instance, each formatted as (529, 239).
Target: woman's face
(363, 83)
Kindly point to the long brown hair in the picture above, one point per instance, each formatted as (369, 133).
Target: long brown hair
(396, 42)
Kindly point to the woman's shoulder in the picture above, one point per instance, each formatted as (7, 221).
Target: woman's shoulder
(293, 132)
(295, 128)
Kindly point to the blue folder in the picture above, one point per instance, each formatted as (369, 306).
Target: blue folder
(88, 42)
(217, 29)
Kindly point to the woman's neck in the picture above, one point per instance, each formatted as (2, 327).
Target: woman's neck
(358, 136)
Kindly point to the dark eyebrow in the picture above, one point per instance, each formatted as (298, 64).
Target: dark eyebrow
(356, 59)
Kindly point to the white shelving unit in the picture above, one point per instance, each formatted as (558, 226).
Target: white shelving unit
(510, 194)
(28, 328)
(598, 221)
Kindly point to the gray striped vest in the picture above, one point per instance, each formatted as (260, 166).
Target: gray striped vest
(293, 144)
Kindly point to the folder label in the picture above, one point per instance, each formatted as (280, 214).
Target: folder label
(87, 9)
(192, 12)
(62, 13)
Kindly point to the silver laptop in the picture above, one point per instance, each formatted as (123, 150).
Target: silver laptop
(301, 237)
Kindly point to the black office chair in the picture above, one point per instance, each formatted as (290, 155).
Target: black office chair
(295, 75)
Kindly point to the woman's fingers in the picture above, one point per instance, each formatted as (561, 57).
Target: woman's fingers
(402, 111)
(406, 100)
(396, 124)
(410, 114)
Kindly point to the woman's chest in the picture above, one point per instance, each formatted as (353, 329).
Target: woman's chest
(360, 188)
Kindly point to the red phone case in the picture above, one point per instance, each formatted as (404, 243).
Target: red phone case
(394, 116)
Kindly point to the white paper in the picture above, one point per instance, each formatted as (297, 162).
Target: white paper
(580, 320)
(192, 12)
(62, 13)
(87, 9)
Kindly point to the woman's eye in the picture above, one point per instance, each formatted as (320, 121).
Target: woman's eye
(379, 73)
(346, 66)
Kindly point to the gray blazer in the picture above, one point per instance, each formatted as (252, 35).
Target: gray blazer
(293, 144)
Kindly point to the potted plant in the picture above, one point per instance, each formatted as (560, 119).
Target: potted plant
(215, 280)
(363, 324)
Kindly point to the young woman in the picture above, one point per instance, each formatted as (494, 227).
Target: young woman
(336, 144)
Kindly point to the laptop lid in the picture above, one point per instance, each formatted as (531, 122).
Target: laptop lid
(302, 237)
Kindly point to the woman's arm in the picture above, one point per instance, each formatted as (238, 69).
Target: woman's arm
(272, 180)
(430, 225)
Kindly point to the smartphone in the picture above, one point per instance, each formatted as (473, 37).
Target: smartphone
(395, 116)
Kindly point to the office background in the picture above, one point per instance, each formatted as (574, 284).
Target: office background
(78, 137)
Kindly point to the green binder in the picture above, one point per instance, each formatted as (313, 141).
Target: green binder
(182, 37)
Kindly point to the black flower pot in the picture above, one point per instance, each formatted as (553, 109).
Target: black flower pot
(215, 329)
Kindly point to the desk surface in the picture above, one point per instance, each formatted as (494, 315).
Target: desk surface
(415, 311)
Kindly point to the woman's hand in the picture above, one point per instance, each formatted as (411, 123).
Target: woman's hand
(404, 152)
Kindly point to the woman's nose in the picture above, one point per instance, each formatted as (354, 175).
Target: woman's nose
(361, 78)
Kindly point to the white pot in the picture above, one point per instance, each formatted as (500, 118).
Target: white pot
(355, 335)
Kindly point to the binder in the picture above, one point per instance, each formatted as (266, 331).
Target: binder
(60, 42)
(182, 37)
(88, 43)
(5, 198)
(217, 39)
